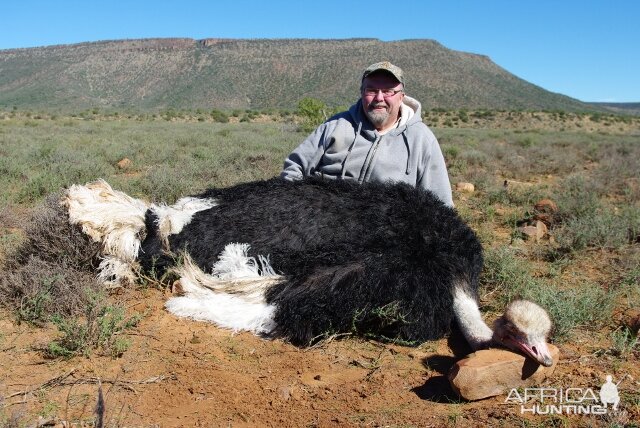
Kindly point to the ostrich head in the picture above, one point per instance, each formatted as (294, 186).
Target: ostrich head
(524, 327)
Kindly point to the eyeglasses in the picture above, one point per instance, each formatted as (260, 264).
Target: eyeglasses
(386, 93)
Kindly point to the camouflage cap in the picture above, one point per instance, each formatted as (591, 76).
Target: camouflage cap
(394, 70)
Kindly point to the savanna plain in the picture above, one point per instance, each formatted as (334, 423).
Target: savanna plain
(73, 353)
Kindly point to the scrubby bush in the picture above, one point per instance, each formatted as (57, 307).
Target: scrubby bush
(219, 116)
(100, 328)
(313, 113)
(601, 228)
(51, 278)
(586, 306)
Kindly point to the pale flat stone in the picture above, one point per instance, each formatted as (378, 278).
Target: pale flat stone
(124, 163)
(491, 372)
(542, 229)
(537, 231)
(465, 187)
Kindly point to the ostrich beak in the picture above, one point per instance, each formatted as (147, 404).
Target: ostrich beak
(535, 348)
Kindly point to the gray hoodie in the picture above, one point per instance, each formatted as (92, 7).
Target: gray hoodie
(347, 146)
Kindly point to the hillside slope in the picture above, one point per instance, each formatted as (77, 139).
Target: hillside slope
(153, 74)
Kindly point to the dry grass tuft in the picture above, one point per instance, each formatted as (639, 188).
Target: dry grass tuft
(52, 270)
(51, 238)
(38, 288)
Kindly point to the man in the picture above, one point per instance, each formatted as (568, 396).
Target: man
(380, 138)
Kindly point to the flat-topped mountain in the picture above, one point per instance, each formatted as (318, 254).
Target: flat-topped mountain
(153, 74)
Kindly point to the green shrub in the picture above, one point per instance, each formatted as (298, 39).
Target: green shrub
(519, 196)
(475, 157)
(599, 229)
(587, 221)
(33, 309)
(450, 152)
(624, 341)
(586, 306)
(313, 113)
(457, 167)
(219, 116)
(99, 330)
(526, 142)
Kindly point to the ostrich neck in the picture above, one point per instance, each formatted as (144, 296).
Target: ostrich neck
(467, 313)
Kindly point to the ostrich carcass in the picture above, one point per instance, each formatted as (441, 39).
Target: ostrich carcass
(301, 260)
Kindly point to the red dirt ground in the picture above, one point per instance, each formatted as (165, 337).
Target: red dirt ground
(181, 373)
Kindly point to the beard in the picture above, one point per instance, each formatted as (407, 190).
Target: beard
(377, 118)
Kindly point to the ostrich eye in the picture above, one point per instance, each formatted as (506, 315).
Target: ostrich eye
(512, 330)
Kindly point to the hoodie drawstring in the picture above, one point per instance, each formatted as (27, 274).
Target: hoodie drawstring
(353, 143)
(406, 143)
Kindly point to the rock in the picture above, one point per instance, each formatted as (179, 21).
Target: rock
(54, 423)
(491, 372)
(631, 320)
(465, 187)
(537, 231)
(547, 219)
(545, 211)
(546, 206)
(285, 392)
(124, 163)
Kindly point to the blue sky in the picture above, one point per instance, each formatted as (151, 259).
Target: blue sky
(588, 50)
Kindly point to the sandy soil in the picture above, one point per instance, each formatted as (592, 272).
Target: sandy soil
(181, 373)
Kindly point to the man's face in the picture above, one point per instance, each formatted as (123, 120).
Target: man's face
(382, 111)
